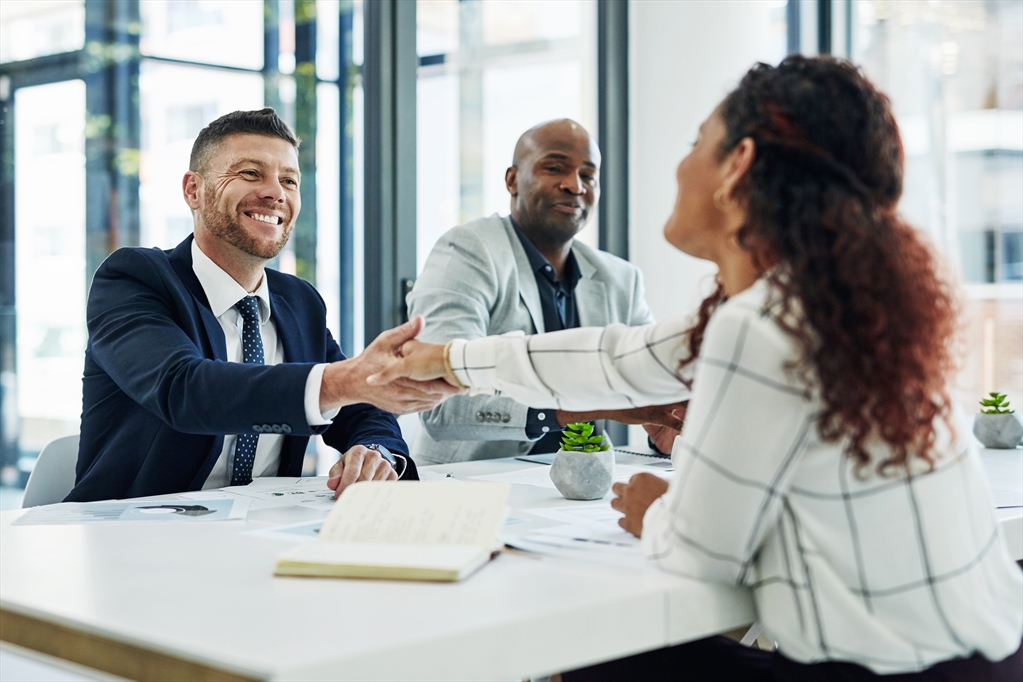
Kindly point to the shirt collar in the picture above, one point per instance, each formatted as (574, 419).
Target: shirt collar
(221, 290)
(541, 265)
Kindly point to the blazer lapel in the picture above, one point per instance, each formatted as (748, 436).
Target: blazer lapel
(528, 292)
(288, 328)
(591, 302)
(181, 261)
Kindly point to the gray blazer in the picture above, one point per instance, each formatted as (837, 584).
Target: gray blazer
(478, 282)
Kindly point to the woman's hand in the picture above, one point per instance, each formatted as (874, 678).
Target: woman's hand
(635, 497)
(663, 437)
(419, 362)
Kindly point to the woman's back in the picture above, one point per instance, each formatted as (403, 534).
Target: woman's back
(896, 572)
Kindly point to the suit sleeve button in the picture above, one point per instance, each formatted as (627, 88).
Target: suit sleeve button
(277, 428)
(286, 428)
(257, 428)
(505, 418)
(480, 416)
(267, 428)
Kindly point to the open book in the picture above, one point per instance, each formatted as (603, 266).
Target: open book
(404, 531)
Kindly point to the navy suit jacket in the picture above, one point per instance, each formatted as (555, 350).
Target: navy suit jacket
(159, 394)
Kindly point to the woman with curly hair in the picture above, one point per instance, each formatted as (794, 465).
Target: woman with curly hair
(820, 464)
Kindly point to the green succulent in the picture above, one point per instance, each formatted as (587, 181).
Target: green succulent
(579, 438)
(996, 404)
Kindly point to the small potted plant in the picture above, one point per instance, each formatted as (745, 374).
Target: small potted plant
(997, 426)
(584, 467)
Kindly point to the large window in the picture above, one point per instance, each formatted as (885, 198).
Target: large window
(105, 98)
(29, 28)
(50, 251)
(489, 71)
(954, 71)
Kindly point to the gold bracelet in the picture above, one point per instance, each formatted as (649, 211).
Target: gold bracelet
(448, 368)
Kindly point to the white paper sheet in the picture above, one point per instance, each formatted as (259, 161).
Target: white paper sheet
(435, 476)
(286, 490)
(307, 531)
(577, 543)
(159, 511)
(308, 492)
(540, 476)
(602, 539)
(597, 516)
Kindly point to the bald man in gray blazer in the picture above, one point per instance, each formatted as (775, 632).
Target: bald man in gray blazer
(525, 272)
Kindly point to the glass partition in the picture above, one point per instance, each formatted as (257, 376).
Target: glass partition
(199, 60)
(29, 28)
(488, 72)
(175, 103)
(49, 199)
(954, 71)
(223, 32)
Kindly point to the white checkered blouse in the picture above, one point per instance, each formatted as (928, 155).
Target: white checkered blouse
(895, 574)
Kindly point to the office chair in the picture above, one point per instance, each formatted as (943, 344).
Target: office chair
(54, 473)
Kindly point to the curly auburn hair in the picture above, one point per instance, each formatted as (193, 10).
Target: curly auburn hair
(878, 319)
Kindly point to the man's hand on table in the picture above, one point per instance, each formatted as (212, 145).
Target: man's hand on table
(635, 497)
(663, 437)
(344, 382)
(359, 464)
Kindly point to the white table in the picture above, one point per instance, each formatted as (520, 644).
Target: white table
(181, 601)
(1004, 470)
(186, 602)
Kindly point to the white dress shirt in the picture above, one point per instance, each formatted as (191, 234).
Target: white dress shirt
(222, 292)
(894, 573)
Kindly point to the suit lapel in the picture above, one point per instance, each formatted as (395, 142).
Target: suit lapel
(528, 292)
(287, 325)
(591, 303)
(181, 261)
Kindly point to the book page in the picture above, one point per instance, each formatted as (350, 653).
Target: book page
(424, 513)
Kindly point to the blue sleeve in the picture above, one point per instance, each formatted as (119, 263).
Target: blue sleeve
(143, 334)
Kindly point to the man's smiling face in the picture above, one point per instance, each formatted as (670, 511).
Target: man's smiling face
(250, 194)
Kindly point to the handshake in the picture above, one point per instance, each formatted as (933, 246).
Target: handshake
(400, 374)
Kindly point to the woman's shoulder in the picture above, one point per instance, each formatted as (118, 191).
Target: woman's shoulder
(753, 319)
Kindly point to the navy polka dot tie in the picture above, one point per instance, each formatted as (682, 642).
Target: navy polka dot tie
(252, 353)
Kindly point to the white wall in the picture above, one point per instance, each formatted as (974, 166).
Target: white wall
(684, 57)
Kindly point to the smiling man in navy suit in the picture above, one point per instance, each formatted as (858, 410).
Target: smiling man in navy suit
(204, 369)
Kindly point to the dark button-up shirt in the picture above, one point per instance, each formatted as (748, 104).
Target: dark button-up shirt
(557, 301)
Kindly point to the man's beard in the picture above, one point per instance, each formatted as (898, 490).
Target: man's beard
(223, 226)
(550, 231)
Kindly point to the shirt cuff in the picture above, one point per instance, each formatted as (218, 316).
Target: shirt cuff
(473, 364)
(312, 398)
(540, 422)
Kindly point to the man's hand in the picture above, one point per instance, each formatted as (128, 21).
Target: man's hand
(663, 437)
(359, 464)
(670, 416)
(344, 383)
(634, 498)
(417, 361)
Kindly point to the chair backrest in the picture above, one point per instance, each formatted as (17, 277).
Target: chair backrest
(53, 476)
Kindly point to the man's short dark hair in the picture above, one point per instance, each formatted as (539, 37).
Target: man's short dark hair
(261, 122)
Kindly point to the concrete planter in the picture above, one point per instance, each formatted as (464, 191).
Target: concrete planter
(583, 475)
(1002, 431)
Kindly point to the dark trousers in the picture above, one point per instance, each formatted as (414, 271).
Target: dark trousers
(719, 659)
